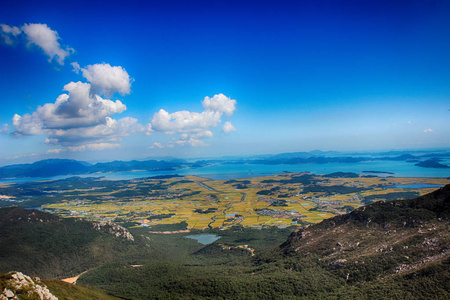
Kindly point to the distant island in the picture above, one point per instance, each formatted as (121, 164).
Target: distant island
(62, 167)
(431, 163)
(378, 172)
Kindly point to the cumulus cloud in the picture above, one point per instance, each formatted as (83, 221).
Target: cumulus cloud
(40, 35)
(75, 109)
(107, 79)
(47, 39)
(193, 126)
(220, 103)
(429, 130)
(228, 127)
(112, 131)
(184, 121)
(78, 118)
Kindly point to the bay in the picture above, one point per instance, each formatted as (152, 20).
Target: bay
(225, 171)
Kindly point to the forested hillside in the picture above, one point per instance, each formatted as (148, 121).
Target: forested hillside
(394, 249)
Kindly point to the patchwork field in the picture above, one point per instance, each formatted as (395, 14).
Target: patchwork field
(283, 200)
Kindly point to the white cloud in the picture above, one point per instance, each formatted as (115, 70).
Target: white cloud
(13, 30)
(47, 39)
(193, 126)
(107, 80)
(184, 121)
(147, 130)
(55, 151)
(27, 124)
(196, 143)
(112, 130)
(220, 103)
(75, 109)
(429, 130)
(192, 142)
(203, 134)
(76, 67)
(228, 127)
(8, 33)
(156, 145)
(78, 118)
(95, 147)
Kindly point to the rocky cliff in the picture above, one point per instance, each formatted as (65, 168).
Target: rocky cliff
(16, 285)
(114, 229)
(379, 240)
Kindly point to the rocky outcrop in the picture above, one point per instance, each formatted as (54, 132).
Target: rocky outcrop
(114, 229)
(379, 240)
(20, 286)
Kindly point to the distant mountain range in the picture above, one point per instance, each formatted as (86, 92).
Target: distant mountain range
(55, 167)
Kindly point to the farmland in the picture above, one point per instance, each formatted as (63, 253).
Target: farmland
(192, 202)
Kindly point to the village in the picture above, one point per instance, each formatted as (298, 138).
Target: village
(292, 199)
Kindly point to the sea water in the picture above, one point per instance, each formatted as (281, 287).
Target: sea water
(226, 171)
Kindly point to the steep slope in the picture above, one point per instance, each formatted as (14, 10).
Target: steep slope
(42, 244)
(379, 240)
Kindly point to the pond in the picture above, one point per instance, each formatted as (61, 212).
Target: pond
(204, 239)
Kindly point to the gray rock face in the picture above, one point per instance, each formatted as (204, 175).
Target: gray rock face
(114, 229)
(20, 285)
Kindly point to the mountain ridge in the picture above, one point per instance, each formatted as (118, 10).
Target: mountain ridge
(379, 240)
(55, 167)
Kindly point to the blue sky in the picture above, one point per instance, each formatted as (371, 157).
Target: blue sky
(212, 78)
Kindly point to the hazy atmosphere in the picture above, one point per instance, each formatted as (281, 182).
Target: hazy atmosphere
(103, 81)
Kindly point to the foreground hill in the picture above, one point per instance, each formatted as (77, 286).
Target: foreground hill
(45, 245)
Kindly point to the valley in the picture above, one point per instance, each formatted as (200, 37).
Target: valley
(175, 202)
(291, 235)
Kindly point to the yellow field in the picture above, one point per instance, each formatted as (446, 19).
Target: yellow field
(259, 203)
